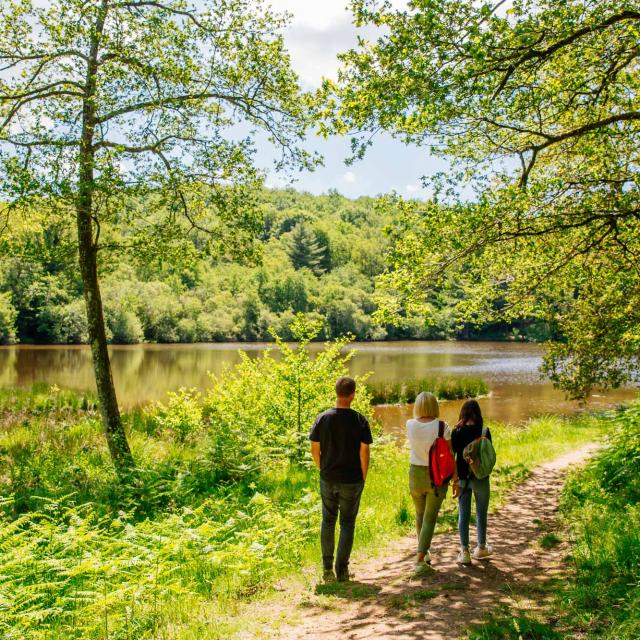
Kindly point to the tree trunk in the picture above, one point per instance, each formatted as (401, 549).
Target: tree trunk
(114, 431)
(88, 250)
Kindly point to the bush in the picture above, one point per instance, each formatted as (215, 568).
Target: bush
(8, 316)
(262, 410)
(181, 415)
(125, 327)
(602, 506)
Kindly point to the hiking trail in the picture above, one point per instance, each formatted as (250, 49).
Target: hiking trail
(386, 599)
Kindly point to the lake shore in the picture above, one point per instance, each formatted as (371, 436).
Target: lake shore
(205, 546)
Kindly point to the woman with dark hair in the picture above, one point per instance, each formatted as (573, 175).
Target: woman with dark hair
(469, 428)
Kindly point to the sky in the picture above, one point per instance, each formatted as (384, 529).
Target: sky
(317, 32)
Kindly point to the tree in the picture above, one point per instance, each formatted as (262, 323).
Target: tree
(537, 107)
(137, 120)
(7, 320)
(304, 249)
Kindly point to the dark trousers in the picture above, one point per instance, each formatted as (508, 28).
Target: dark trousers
(341, 499)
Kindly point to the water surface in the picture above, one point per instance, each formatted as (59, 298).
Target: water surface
(143, 373)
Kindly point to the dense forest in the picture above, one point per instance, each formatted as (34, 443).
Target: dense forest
(319, 255)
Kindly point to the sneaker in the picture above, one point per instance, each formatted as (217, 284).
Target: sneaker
(421, 565)
(328, 575)
(344, 576)
(464, 557)
(479, 553)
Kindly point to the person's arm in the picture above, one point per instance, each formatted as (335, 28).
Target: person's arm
(364, 459)
(455, 490)
(315, 453)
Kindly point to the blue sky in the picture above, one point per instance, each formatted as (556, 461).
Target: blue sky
(318, 31)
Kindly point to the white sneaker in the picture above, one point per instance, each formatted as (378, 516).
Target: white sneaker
(480, 553)
(421, 565)
(464, 557)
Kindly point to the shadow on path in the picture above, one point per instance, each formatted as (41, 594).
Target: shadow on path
(390, 601)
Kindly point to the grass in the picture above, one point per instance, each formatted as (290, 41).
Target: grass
(179, 553)
(504, 624)
(550, 540)
(599, 598)
(442, 388)
(601, 506)
(349, 590)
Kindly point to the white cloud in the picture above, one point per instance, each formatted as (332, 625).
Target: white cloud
(310, 14)
(412, 188)
(349, 177)
(317, 33)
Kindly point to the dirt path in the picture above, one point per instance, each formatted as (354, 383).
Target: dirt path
(387, 601)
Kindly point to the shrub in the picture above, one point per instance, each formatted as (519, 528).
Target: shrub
(181, 415)
(125, 327)
(8, 316)
(602, 506)
(262, 410)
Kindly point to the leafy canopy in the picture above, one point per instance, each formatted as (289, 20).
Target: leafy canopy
(537, 107)
(179, 93)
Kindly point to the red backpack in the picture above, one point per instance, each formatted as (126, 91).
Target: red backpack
(441, 462)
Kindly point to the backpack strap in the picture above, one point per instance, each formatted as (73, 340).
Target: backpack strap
(440, 429)
(484, 431)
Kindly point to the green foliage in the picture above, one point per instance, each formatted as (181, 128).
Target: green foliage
(157, 93)
(442, 388)
(113, 578)
(177, 554)
(504, 624)
(536, 107)
(601, 504)
(181, 415)
(304, 249)
(217, 301)
(263, 408)
(8, 316)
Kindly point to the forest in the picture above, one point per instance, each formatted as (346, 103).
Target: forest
(318, 255)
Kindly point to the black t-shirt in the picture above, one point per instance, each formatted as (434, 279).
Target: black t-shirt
(340, 432)
(460, 438)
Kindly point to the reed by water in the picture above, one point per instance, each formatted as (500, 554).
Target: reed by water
(444, 388)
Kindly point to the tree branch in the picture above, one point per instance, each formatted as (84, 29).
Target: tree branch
(542, 54)
(36, 93)
(164, 102)
(158, 5)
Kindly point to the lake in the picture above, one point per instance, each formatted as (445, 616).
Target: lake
(144, 373)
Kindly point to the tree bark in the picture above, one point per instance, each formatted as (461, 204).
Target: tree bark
(88, 250)
(114, 431)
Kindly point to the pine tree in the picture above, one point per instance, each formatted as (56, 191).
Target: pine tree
(305, 250)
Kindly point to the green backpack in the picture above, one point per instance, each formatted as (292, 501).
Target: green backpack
(480, 455)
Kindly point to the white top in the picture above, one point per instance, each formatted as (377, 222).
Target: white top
(421, 436)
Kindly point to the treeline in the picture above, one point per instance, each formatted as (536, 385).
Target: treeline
(320, 256)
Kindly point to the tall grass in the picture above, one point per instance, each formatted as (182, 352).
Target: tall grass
(175, 555)
(442, 388)
(602, 506)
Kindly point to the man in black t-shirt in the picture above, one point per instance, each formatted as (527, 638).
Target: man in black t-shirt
(340, 439)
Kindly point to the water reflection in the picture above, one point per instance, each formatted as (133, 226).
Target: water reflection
(144, 373)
